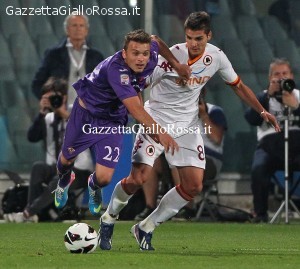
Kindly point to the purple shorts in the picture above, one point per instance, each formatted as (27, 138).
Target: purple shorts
(86, 131)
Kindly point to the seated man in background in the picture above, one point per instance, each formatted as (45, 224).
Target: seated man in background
(213, 124)
(269, 154)
(49, 126)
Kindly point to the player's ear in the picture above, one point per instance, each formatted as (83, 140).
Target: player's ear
(123, 54)
(209, 36)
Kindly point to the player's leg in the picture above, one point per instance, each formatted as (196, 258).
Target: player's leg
(75, 142)
(97, 180)
(123, 191)
(175, 198)
(107, 151)
(190, 161)
(144, 153)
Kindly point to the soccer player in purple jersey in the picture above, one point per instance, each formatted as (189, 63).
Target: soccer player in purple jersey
(105, 97)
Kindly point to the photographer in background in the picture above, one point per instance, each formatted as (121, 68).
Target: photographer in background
(269, 154)
(49, 125)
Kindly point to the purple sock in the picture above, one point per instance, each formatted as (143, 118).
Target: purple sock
(93, 183)
(64, 173)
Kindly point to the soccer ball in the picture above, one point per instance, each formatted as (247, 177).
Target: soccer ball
(81, 238)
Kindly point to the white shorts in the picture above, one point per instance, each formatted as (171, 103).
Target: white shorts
(191, 151)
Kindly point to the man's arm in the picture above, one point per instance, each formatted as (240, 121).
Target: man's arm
(183, 70)
(133, 105)
(37, 131)
(251, 115)
(216, 131)
(250, 99)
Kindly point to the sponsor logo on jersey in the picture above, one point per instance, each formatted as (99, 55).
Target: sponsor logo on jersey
(192, 81)
(124, 79)
(195, 73)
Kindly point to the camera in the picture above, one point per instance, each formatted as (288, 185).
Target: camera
(56, 100)
(287, 85)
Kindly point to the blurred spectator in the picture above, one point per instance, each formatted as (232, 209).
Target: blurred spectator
(269, 154)
(70, 60)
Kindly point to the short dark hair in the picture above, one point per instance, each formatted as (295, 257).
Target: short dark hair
(198, 21)
(139, 36)
(55, 84)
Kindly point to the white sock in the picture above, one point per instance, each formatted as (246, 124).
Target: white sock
(168, 207)
(118, 201)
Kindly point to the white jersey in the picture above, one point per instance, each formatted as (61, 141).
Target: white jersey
(171, 103)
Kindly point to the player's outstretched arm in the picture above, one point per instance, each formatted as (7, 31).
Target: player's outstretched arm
(138, 112)
(247, 95)
(183, 70)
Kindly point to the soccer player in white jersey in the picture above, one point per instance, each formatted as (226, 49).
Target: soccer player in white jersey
(174, 105)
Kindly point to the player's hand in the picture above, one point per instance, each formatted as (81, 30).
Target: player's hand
(168, 142)
(270, 119)
(184, 71)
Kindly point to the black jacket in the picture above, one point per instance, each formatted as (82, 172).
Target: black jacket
(254, 118)
(56, 63)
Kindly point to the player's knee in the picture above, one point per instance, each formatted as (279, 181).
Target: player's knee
(139, 177)
(103, 179)
(138, 181)
(195, 189)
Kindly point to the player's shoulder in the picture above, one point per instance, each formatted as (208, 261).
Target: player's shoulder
(180, 48)
(213, 49)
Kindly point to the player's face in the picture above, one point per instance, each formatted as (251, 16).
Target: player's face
(77, 29)
(196, 42)
(137, 56)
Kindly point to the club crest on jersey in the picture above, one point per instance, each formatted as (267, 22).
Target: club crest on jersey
(150, 150)
(71, 150)
(207, 60)
(124, 79)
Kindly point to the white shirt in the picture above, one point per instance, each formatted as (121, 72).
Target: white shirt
(173, 104)
(276, 108)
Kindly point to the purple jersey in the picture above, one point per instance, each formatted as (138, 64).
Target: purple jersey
(112, 81)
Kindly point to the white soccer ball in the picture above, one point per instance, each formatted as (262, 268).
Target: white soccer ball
(81, 238)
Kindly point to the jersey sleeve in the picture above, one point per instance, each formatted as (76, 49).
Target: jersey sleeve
(163, 66)
(226, 70)
(120, 81)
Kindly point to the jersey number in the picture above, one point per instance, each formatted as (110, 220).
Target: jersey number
(109, 156)
(201, 155)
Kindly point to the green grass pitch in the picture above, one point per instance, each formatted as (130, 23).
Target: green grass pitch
(178, 245)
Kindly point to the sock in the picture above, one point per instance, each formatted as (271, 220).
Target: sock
(93, 183)
(168, 207)
(118, 201)
(64, 173)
